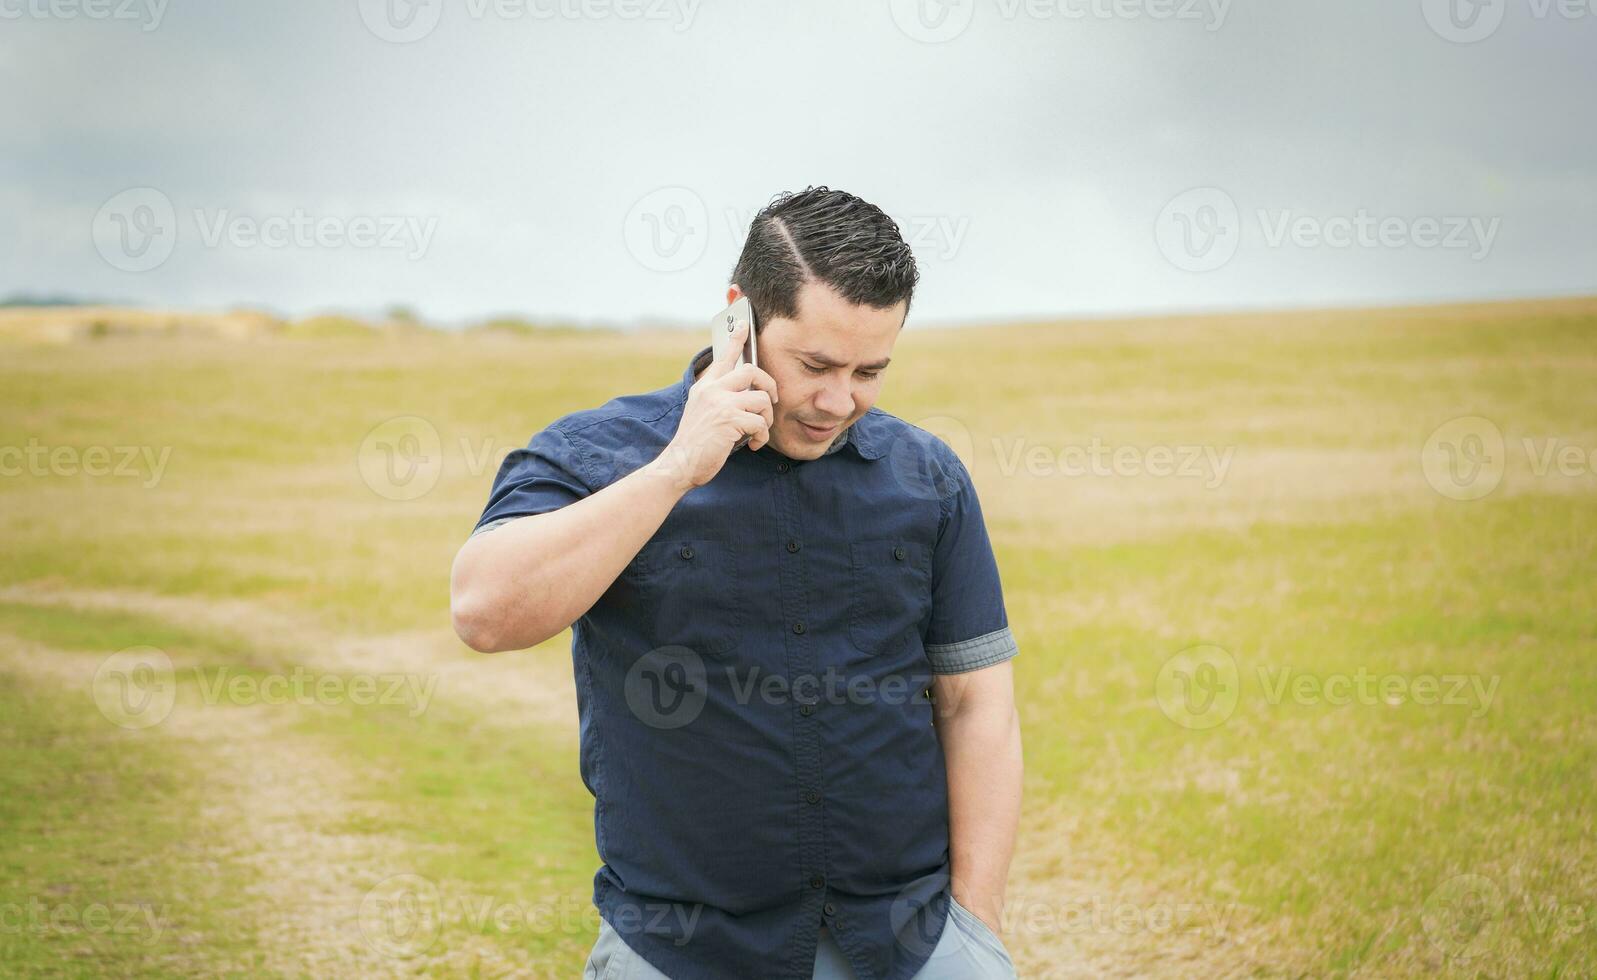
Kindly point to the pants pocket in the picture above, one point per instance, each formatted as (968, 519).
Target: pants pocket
(608, 960)
(981, 933)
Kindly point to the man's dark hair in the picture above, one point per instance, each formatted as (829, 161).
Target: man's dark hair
(828, 236)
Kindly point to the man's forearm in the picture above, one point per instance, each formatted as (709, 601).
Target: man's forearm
(981, 746)
(518, 585)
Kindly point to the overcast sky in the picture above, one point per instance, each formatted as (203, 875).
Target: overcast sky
(599, 160)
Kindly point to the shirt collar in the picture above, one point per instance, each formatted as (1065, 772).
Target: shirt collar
(855, 435)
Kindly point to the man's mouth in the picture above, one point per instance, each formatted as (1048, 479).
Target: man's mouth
(820, 432)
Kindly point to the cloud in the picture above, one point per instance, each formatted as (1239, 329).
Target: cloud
(1031, 154)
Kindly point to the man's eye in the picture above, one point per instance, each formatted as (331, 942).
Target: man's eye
(866, 375)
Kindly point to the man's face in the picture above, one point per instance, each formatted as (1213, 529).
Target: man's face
(828, 364)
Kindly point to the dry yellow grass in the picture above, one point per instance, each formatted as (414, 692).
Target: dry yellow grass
(1296, 838)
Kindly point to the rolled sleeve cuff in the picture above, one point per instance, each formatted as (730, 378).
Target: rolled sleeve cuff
(493, 524)
(982, 651)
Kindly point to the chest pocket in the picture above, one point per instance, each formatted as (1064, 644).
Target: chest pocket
(691, 592)
(892, 592)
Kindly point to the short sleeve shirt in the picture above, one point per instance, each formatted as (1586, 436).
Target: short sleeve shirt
(753, 688)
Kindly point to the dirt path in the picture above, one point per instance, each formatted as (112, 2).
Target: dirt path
(282, 796)
(537, 686)
(277, 798)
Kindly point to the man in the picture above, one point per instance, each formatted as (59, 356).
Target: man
(791, 659)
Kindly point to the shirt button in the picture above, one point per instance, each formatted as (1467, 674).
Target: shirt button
(781, 467)
(898, 553)
(792, 545)
(798, 627)
(806, 710)
(812, 797)
(816, 881)
(686, 552)
(828, 909)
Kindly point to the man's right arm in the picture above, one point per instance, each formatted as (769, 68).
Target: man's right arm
(519, 584)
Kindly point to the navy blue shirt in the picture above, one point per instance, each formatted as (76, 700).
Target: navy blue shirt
(753, 689)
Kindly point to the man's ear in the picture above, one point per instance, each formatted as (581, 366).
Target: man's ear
(733, 294)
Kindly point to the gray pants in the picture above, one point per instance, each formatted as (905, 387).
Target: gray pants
(967, 950)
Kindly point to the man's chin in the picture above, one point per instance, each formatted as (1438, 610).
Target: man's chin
(800, 448)
(801, 451)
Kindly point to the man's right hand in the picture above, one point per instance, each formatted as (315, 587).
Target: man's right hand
(724, 405)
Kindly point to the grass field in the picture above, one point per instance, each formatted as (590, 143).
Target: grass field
(1294, 704)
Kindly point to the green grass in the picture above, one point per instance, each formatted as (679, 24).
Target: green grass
(490, 816)
(1340, 819)
(106, 869)
(102, 816)
(1323, 830)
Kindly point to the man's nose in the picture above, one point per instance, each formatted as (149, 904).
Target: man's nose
(836, 399)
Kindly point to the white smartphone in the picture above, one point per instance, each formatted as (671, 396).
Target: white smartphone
(726, 322)
(722, 327)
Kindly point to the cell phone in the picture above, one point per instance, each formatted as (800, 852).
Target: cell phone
(726, 322)
(722, 327)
